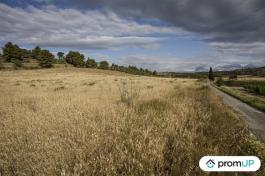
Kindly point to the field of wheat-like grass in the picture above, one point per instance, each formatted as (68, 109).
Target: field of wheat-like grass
(94, 122)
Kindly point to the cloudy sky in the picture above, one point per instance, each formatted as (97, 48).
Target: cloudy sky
(165, 35)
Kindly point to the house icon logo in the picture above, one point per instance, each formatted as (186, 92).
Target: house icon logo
(210, 164)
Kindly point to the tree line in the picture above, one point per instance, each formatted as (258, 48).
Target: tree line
(12, 53)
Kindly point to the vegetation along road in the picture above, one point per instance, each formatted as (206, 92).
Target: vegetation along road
(254, 119)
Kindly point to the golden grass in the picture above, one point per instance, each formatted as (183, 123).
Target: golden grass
(94, 122)
(250, 77)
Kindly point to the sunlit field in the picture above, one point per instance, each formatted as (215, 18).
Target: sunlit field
(96, 122)
(249, 77)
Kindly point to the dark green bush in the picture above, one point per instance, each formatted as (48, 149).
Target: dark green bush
(17, 63)
(220, 82)
(252, 86)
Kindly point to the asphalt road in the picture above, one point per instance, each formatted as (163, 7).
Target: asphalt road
(254, 119)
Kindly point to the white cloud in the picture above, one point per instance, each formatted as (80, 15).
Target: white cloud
(54, 27)
(243, 53)
(225, 56)
(51, 26)
(161, 63)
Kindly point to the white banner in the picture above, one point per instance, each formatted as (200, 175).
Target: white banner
(229, 163)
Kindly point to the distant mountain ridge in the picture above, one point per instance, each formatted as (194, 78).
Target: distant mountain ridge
(255, 71)
(225, 67)
(203, 72)
(232, 67)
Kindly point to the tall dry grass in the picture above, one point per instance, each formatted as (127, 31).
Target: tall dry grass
(89, 122)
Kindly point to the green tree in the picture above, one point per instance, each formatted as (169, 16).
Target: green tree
(12, 52)
(45, 59)
(104, 65)
(211, 75)
(60, 55)
(17, 63)
(75, 58)
(36, 53)
(25, 54)
(91, 63)
(60, 58)
(114, 67)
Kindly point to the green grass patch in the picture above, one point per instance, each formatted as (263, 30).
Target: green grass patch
(254, 86)
(255, 102)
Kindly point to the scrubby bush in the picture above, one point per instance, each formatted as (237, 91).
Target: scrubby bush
(219, 81)
(91, 63)
(45, 59)
(75, 58)
(17, 63)
(36, 53)
(233, 77)
(12, 52)
(104, 65)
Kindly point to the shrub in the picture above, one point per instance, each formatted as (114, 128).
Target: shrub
(219, 82)
(75, 58)
(17, 63)
(91, 63)
(104, 65)
(233, 76)
(46, 59)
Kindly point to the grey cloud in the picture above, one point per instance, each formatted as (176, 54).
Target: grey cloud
(220, 56)
(186, 64)
(222, 20)
(51, 26)
(246, 51)
(228, 56)
(99, 42)
(235, 30)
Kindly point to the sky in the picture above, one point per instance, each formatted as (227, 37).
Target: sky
(162, 35)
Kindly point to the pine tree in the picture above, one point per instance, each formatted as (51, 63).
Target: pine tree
(211, 76)
(36, 53)
(12, 52)
(45, 59)
(60, 55)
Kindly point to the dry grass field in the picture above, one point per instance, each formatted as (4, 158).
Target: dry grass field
(249, 77)
(94, 122)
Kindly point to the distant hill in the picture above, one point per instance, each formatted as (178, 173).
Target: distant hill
(247, 70)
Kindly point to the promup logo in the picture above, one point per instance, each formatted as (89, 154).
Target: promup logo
(230, 163)
(210, 164)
